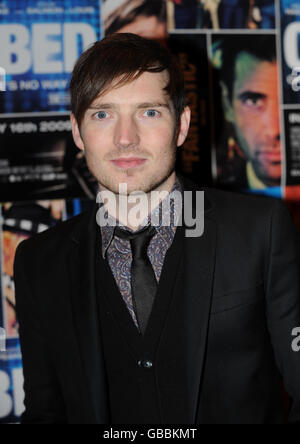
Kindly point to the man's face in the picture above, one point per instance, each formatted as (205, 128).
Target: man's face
(136, 120)
(255, 115)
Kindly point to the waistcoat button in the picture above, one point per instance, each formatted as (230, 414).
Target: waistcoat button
(145, 363)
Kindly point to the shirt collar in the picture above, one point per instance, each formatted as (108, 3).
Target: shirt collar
(167, 232)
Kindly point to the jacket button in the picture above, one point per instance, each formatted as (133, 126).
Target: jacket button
(145, 363)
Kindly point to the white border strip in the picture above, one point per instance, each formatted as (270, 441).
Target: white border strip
(213, 148)
(280, 95)
(36, 114)
(224, 31)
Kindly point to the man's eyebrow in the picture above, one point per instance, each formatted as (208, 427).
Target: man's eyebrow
(153, 105)
(251, 95)
(102, 106)
(138, 105)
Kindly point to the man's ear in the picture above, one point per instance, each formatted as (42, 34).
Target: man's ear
(76, 133)
(184, 124)
(228, 108)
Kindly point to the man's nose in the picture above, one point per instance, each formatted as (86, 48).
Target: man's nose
(126, 133)
(272, 122)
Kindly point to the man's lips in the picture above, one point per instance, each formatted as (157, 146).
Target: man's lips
(129, 162)
(270, 156)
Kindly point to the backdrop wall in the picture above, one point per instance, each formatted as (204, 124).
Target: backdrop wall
(241, 62)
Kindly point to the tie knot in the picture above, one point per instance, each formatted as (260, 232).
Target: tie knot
(139, 240)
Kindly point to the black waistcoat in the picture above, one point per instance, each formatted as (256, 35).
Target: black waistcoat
(146, 375)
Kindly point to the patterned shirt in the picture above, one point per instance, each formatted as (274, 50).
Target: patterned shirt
(118, 251)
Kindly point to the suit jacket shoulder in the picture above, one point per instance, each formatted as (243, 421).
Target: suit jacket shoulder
(55, 240)
(237, 209)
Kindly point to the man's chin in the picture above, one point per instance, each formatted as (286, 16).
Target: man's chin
(125, 187)
(268, 173)
(128, 187)
(271, 180)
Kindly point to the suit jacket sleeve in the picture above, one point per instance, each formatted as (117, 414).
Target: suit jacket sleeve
(283, 300)
(43, 399)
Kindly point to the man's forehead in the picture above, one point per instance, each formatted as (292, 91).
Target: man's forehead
(248, 67)
(246, 63)
(152, 85)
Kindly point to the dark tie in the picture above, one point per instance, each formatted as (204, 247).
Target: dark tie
(143, 280)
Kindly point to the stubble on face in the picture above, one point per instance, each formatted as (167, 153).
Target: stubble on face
(157, 143)
(157, 181)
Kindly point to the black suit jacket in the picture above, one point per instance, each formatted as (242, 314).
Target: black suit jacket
(242, 302)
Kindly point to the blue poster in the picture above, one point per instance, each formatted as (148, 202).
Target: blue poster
(40, 42)
(290, 33)
(11, 386)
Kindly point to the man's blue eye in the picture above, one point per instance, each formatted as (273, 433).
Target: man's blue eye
(101, 115)
(151, 113)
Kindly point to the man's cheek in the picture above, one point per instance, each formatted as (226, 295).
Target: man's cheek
(246, 118)
(243, 140)
(249, 126)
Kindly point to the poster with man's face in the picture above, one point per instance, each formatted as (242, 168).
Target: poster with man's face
(146, 18)
(249, 153)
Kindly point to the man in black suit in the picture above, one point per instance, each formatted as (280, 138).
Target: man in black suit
(216, 341)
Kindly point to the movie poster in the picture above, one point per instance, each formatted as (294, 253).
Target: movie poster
(290, 43)
(290, 38)
(11, 386)
(292, 132)
(193, 159)
(19, 221)
(40, 42)
(221, 14)
(39, 160)
(249, 152)
(146, 18)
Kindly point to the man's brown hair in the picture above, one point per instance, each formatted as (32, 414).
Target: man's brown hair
(116, 60)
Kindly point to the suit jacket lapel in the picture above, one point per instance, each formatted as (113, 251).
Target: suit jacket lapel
(85, 315)
(199, 265)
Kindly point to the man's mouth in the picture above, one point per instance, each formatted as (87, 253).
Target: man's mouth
(270, 156)
(130, 162)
